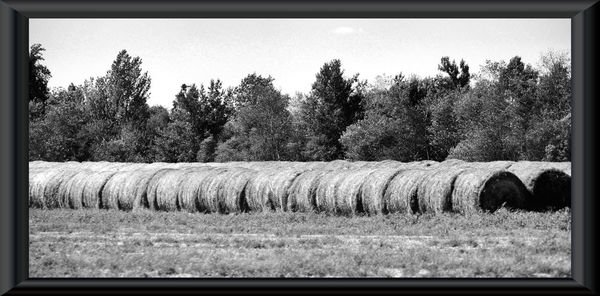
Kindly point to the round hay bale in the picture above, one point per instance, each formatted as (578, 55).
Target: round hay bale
(401, 193)
(167, 188)
(280, 184)
(268, 189)
(92, 189)
(348, 197)
(133, 190)
(52, 196)
(374, 188)
(152, 187)
(435, 190)
(487, 190)
(37, 186)
(550, 187)
(207, 193)
(302, 193)
(325, 195)
(109, 198)
(190, 186)
(70, 192)
(231, 193)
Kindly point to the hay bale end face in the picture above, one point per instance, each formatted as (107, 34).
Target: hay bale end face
(551, 191)
(548, 183)
(487, 190)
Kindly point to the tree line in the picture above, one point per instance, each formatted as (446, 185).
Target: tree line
(507, 111)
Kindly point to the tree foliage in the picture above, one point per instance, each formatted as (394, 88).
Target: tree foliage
(38, 82)
(508, 111)
(334, 103)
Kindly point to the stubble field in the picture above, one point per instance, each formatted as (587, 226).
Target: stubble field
(144, 243)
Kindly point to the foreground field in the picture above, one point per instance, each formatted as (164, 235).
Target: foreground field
(112, 243)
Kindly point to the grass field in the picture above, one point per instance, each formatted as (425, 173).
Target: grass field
(112, 243)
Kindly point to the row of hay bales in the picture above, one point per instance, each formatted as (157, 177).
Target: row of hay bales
(339, 187)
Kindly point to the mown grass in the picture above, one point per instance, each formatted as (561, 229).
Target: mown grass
(101, 243)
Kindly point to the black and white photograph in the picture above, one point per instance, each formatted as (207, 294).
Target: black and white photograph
(299, 148)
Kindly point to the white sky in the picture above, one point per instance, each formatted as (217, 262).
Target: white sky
(177, 51)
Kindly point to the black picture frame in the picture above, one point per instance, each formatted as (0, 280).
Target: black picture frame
(14, 49)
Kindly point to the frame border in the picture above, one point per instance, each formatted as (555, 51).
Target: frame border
(14, 48)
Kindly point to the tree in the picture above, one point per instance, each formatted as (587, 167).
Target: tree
(261, 125)
(56, 136)
(208, 112)
(127, 90)
(333, 104)
(456, 79)
(38, 82)
(394, 125)
(177, 141)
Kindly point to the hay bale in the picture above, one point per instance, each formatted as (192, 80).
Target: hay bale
(231, 192)
(435, 190)
(268, 189)
(325, 195)
(348, 197)
(109, 198)
(549, 186)
(449, 163)
(92, 189)
(133, 190)
(280, 185)
(208, 191)
(487, 190)
(302, 193)
(37, 186)
(70, 192)
(374, 188)
(52, 197)
(401, 193)
(190, 186)
(167, 188)
(153, 185)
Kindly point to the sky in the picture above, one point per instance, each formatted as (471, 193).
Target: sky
(178, 51)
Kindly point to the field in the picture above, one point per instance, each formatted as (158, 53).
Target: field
(144, 243)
